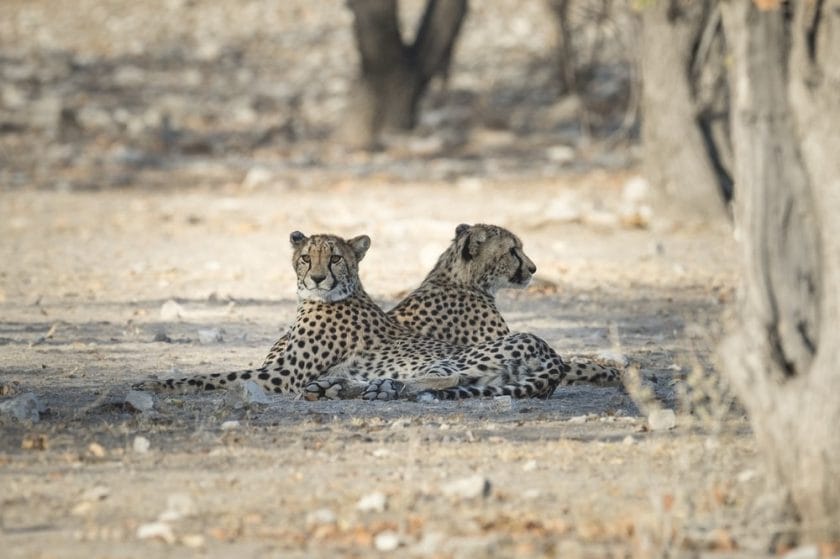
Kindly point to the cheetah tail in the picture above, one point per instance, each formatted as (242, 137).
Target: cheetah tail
(196, 383)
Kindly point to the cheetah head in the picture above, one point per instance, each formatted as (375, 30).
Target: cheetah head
(491, 257)
(327, 266)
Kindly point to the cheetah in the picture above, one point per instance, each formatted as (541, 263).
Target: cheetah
(456, 302)
(342, 345)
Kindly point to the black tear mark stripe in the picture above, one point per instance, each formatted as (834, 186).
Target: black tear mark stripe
(465, 251)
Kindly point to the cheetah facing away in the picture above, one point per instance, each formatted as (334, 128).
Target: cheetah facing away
(343, 345)
(456, 301)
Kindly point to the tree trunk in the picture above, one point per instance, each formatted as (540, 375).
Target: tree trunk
(679, 159)
(394, 76)
(784, 356)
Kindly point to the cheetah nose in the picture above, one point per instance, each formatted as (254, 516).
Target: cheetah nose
(532, 268)
(318, 279)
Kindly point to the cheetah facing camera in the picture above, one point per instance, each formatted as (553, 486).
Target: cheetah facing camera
(456, 301)
(342, 345)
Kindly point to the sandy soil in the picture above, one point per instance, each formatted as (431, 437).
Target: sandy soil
(144, 162)
(87, 275)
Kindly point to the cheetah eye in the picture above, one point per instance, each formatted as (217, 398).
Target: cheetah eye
(304, 258)
(335, 259)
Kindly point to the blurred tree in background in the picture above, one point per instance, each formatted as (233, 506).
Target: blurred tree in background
(685, 104)
(394, 75)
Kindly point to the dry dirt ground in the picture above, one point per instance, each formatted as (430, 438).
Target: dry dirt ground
(154, 157)
(84, 284)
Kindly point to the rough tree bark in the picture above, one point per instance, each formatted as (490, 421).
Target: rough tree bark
(394, 75)
(784, 356)
(680, 157)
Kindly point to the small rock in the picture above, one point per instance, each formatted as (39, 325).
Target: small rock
(468, 488)
(628, 440)
(577, 420)
(804, 552)
(386, 541)
(171, 310)
(529, 466)
(192, 540)
(746, 475)
(662, 420)
(253, 393)
(140, 401)
(245, 394)
(209, 336)
(560, 153)
(141, 445)
(96, 450)
(635, 190)
(25, 408)
(372, 502)
(156, 531)
(230, 425)
(320, 516)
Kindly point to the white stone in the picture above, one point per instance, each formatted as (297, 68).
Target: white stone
(157, 531)
(662, 420)
(141, 445)
(193, 540)
(321, 516)
(578, 419)
(25, 408)
(209, 336)
(628, 440)
(170, 311)
(529, 466)
(468, 487)
(140, 401)
(253, 393)
(804, 552)
(244, 394)
(560, 153)
(635, 190)
(230, 425)
(372, 502)
(386, 541)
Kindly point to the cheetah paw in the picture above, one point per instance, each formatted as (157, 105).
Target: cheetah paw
(325, 389)
(383, 389)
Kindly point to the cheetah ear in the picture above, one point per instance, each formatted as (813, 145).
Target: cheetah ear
(472, 244)
(360, 245)
(297, 238)
(461, 229)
